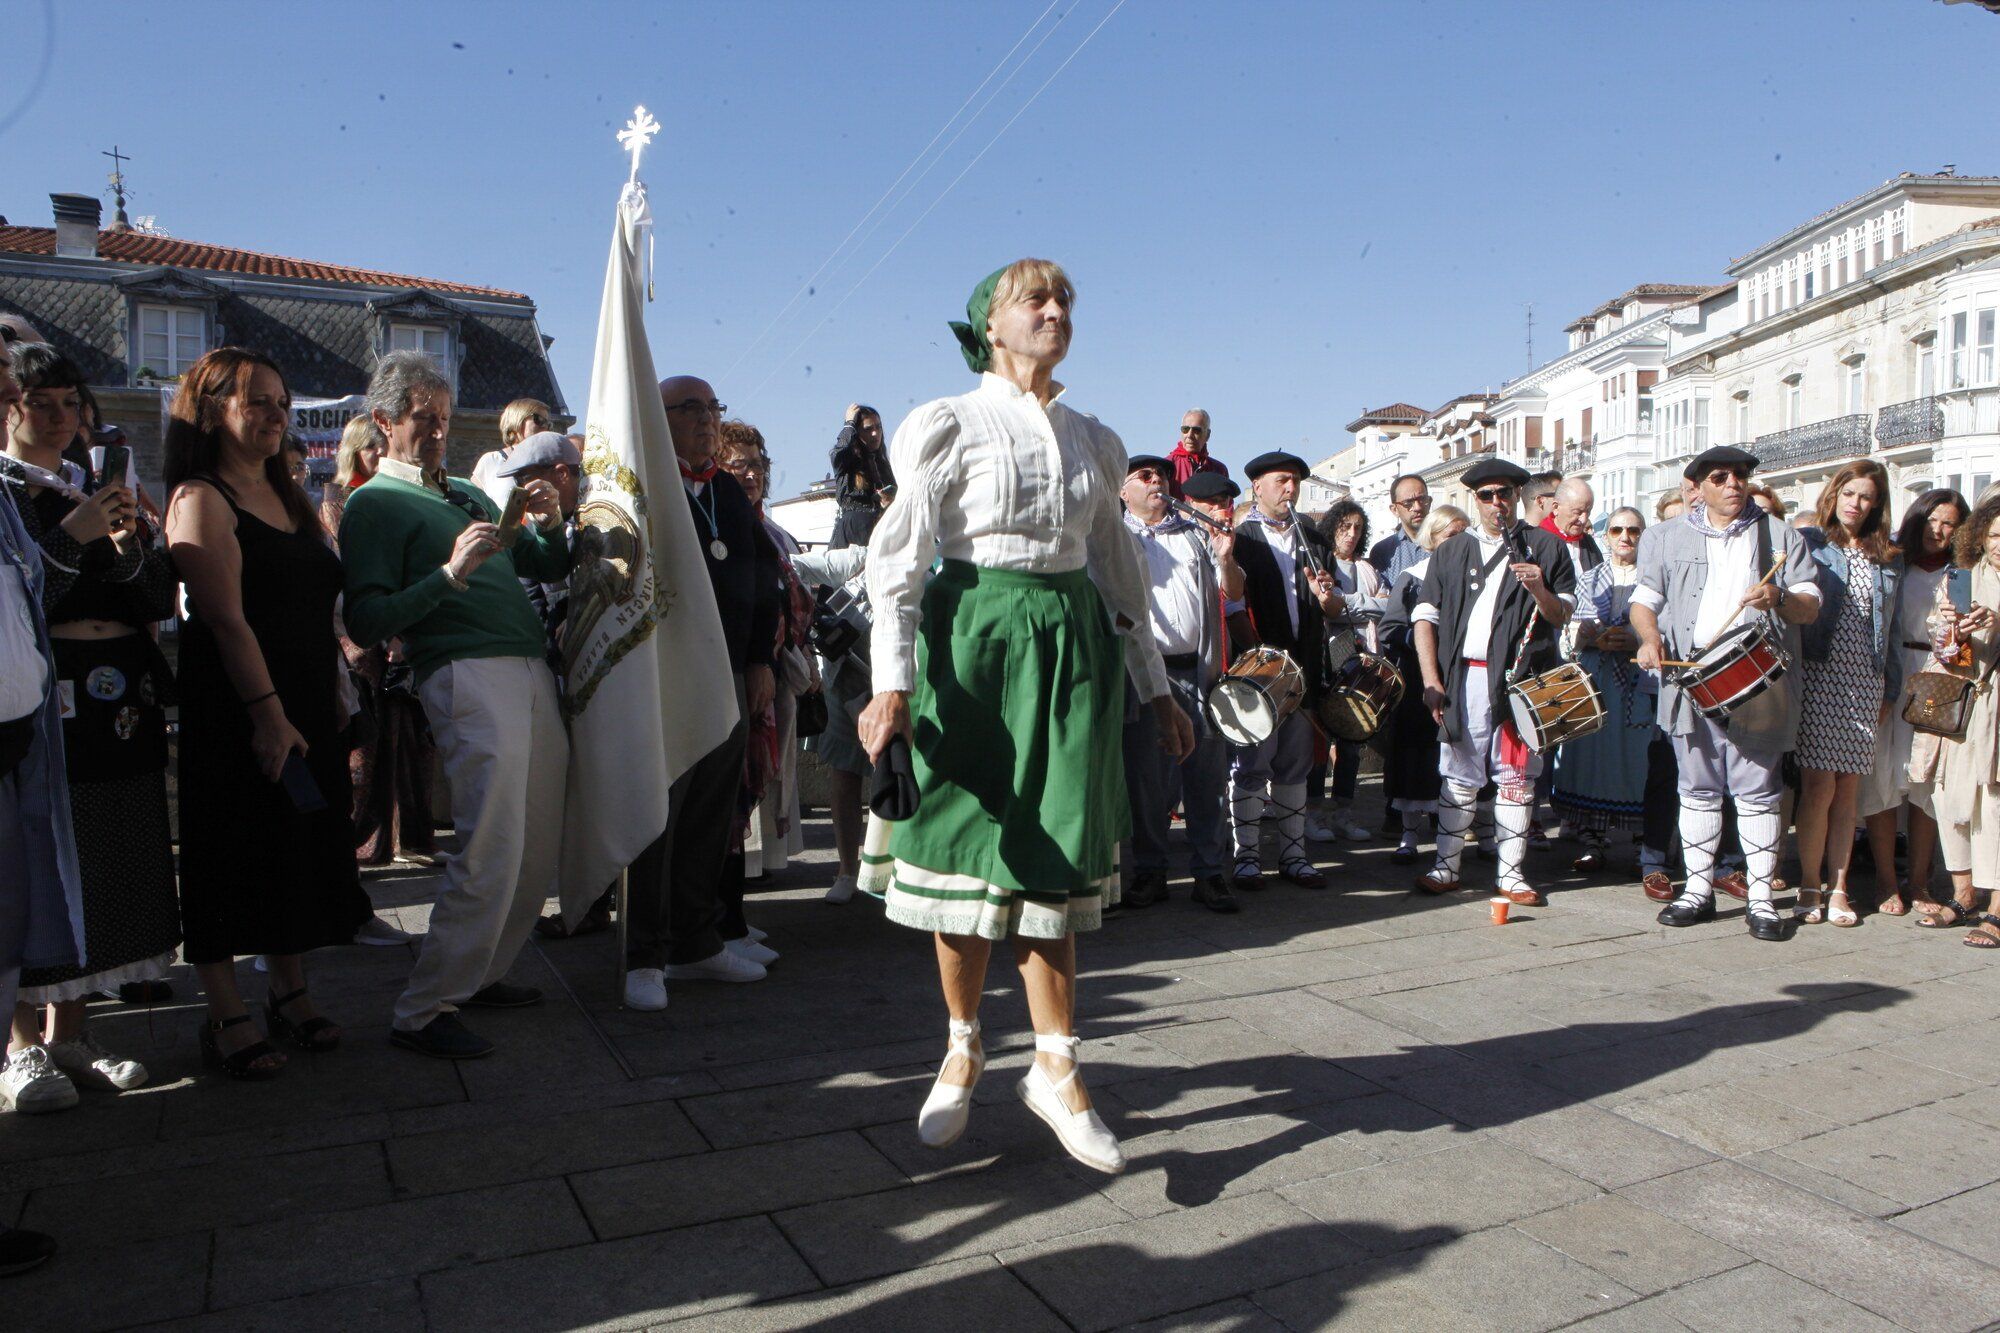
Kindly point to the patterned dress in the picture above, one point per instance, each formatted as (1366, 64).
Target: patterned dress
(1843, 694)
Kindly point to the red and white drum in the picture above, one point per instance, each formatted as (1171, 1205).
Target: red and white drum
(1735, 669)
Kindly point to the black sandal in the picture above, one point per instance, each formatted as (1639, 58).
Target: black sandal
(1985, 935)
(237, 1064)
(1960, 914)
(310, 1035)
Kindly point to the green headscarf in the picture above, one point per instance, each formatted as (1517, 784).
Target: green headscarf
(972, 335)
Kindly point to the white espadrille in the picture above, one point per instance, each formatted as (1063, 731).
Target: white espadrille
(1084, 1134)
(949, 1106)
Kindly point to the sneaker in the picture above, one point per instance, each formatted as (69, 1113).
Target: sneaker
(383, 933)
(1212, 892)
(761, 954)
(33, 1085)
(1321, 828)
(842, 890)
(756, 935)
(443, 1038)
(1147, 887)
(646, 989)
(722, 965)
(23, 1250)
(500, 995)
(1347, 828)
(86, 1062)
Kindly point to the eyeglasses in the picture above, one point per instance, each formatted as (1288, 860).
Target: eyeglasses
(1420, 502)
(1625, 531)
(1494, 494)
(1194, 430)
(697, 405)
(461, 501)
(1723, 476)
(1145, 474)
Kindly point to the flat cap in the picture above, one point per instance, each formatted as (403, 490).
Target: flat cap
(1722, 455)
(1495, 469)
(1274, 461)
(1210, 486)
(540, 450)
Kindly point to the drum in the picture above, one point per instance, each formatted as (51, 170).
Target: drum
(1364, 692)
(1261, 689)
(1556, 706)
(1735, 669)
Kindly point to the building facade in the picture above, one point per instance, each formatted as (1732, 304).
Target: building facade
(1388, 442)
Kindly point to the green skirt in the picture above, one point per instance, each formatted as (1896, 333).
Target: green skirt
(1018, 714)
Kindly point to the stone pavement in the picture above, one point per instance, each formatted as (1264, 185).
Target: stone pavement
(1353, 1107)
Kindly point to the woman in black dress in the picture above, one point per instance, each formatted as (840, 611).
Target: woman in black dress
(107, 585)
(1409, 742)
(267, 845)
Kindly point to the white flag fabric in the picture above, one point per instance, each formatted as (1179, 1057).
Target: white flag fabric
(647, 669)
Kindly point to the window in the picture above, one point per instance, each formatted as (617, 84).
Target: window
(1700, 425)
(1794, 401)
(1810, 275)
(1926, 371)
(1857, 380)
(1840, 259)
(1896, 234)
(1980, 481)
(1743, 418)
(1982, 349)
(170, 339)
(426, 338)
(1955, 353)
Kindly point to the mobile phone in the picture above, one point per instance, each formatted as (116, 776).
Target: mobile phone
(300, 786)
(112, 464)
(511, 520)
(1958, 587)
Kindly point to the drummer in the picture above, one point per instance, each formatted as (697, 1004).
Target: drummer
(1698, 579)
(1471, 624)
(1189, 568)
(1289, 595)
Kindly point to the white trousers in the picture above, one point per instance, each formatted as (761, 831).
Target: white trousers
(500, 733)
(1474, 759)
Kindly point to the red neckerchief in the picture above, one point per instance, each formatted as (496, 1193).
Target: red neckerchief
(1549, 525)
(705, 475)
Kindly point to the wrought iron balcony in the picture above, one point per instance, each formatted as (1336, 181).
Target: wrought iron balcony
(1821, 442)
(1918, 421)
(1578, 456)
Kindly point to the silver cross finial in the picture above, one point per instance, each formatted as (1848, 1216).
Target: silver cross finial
(638, 133)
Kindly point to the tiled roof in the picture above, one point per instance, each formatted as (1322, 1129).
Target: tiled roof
(1907, 178)
(133, 247)
(1392, 414)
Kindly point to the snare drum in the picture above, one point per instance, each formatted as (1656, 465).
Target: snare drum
(1556, 706)
(1364, 692)
(1262, 688)
(1735, 669)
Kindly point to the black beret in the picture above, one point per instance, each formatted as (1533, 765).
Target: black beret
(1274, 461)
(1210, 486)
(1153, 461)
(1722, 455)
(1494, 469)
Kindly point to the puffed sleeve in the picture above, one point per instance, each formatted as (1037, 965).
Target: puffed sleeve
(924, 453)
(1114, 559)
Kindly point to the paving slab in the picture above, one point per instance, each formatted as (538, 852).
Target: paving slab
(1968, 1223)
(784, 1111)
(1903, 1157)
(1605, 1149)
(87, 1287)
(1758, 1296)
(1638, 1249)
(921, 1301)
(1726, 1119)
(1859, 1086)
(379, 1307)
(1231, 1316)
(656, 1195)
(1198, 1165)
(541, 1146)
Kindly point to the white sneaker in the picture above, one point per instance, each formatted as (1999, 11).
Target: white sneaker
(646, 989)
(33, 1085)
(261, 965)
(1348, 829)
(376, 930)
(1320, 829)
(722, 965)
(843, 888)
(761, 954)
(949, 1106)
(86, 1062)
(1083, 1134)
(758, 935)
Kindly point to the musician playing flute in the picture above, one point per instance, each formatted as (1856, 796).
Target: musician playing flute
(1726, 562)
(1289, 596)
(1190, 566)
(1492, 608)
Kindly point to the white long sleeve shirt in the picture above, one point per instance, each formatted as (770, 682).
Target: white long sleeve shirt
(995, 479)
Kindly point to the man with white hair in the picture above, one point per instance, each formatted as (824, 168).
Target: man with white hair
(1191, 454)
(1569, 519)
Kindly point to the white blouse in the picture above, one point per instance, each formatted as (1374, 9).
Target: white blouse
(995, 479)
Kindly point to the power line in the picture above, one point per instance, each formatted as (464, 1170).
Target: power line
(939, 201)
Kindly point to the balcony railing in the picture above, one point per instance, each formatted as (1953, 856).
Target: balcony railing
(1918, 421)
(1821, 442)
(1578, 456)
(1971, 411)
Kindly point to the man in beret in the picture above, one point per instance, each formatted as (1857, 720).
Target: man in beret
(1214, 496)
(1699, 578)
(1189, 570)
(1288, 595)
(1472, 623)
(1190, 457)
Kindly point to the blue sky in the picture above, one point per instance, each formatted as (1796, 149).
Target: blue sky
(1284, 212)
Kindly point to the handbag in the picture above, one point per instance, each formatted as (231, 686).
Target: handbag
(809, 714)
(1940, 702)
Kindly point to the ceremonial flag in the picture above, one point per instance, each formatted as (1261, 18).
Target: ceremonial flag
(647, 670)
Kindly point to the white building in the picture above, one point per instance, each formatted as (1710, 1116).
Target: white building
(1387, 443)
(1868, 329)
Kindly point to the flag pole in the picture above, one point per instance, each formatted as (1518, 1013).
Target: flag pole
(624, 896)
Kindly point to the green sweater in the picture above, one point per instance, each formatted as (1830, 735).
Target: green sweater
(394, 541)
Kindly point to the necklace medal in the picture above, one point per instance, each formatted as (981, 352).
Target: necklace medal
(719, 549)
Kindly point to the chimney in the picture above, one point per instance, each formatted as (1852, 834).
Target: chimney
(77, 217)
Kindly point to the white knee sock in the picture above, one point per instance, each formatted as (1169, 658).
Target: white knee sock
(1701, 829)
(1413, 826)
(1290, 803)
(1758, 831)
(1246, 810)
(1482, 825)
(1455, 802)
(1510, 825)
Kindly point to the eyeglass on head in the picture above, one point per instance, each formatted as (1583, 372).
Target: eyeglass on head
(1494, 494)
(697, 405)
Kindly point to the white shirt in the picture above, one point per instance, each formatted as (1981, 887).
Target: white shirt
(1366, 597)
(1478, 620)
(1284, 544)
(486, 476)
(995, 479)
(1174, 554)
(24, 672)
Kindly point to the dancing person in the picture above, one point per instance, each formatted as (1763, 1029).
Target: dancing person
(1889, 791)
(1364, 594)
(1409, 744)
(1600, 779)
(427, 562)
(107, 585)
(1410, 502)
(1697, 577)
(1289, 596)
(1003, 675)
(1853, 673)
(1493, 605)
(1190, 456)
(1189, 569)
(866, 482)
(260, 713)
(1965, 769)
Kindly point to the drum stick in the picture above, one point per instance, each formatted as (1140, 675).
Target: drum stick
(1665, 663)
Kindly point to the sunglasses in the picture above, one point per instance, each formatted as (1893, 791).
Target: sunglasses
(1494, 494)
(1625, 531)
(1722, 476)
(697, 405)
(1145, 474)
(461, 501)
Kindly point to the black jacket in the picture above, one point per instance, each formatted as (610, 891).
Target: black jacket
(1269, 599)
(748, 580)
(1452, 586)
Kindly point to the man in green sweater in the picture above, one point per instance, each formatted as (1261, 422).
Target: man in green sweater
(426, 561)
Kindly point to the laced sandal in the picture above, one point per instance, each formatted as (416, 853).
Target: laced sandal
(1811, 907)
(1839, 911)
(949, 1106)
(1083, 1134)
(243, 1062)
(308, 1034)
